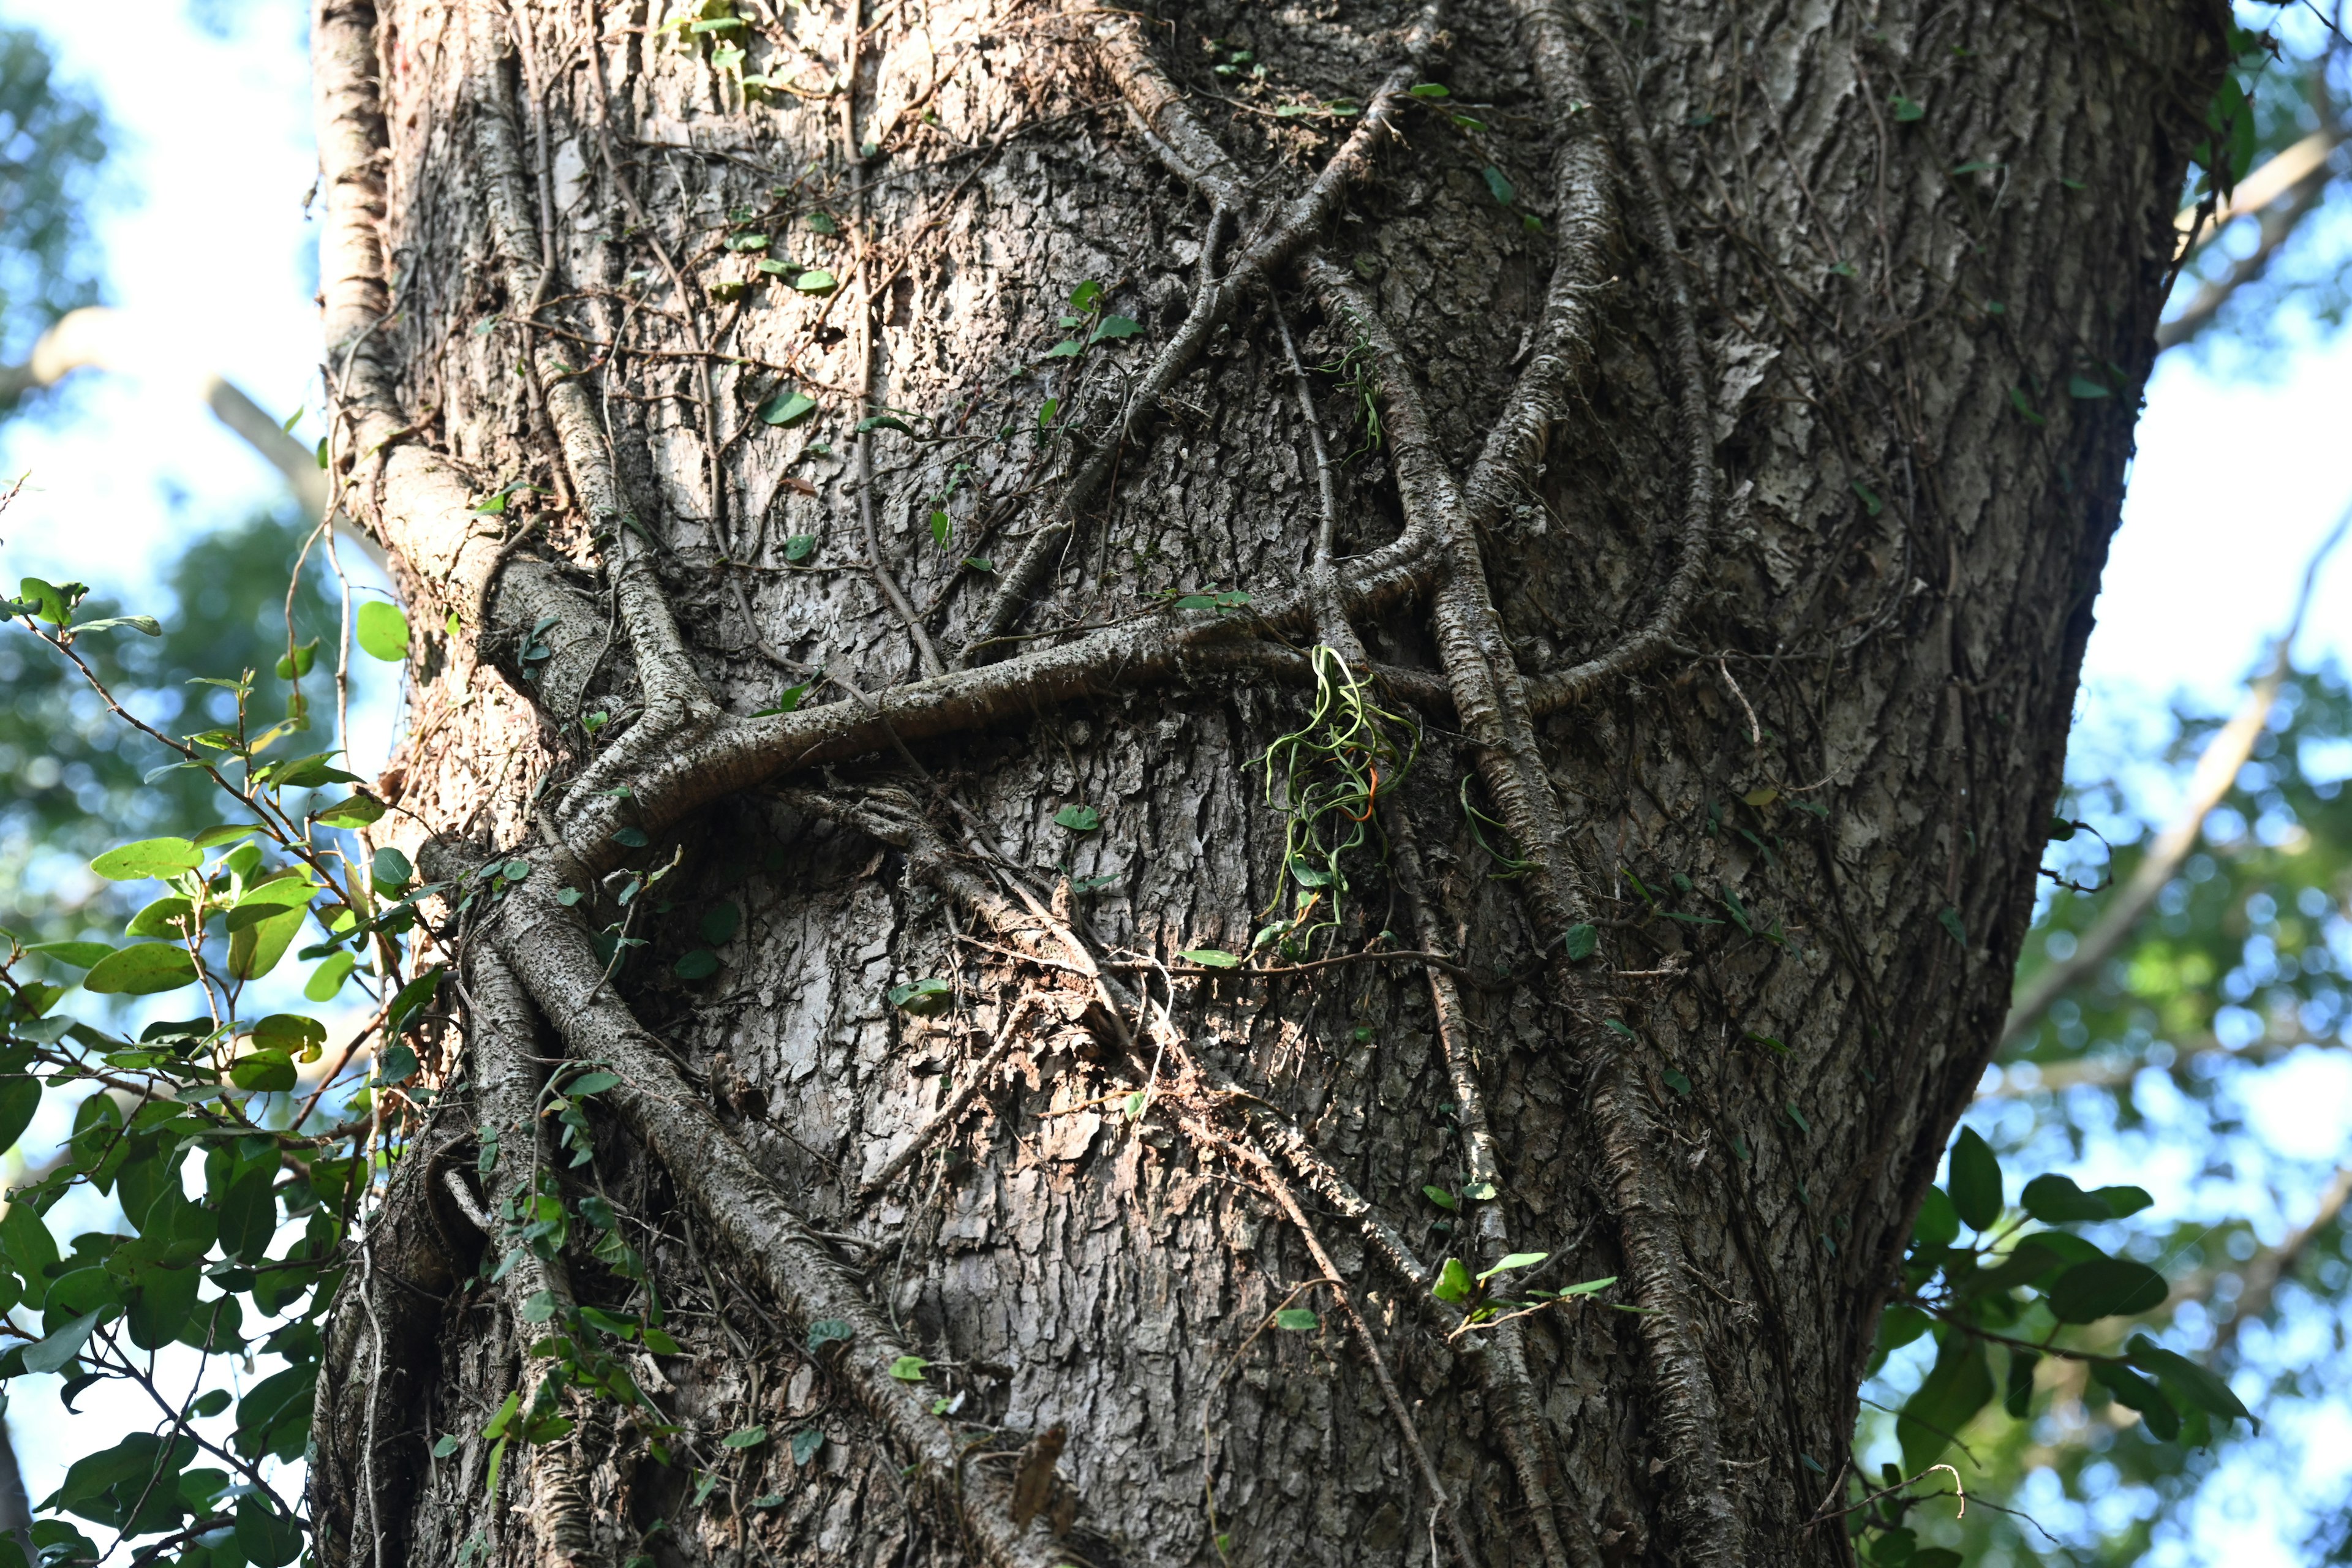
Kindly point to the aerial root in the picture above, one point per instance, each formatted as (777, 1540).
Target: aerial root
(506, 1086)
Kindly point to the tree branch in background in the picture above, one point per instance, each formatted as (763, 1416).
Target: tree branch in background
(2280, 195)
(2264, 1273)
(96, 338)
(2217, 770)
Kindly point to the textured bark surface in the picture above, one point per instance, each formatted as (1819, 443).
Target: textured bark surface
(1922, 249)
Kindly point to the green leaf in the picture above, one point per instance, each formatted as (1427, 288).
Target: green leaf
(391, 870)
(1069, 348)
(1499, 184)
(329, 978)
(589, 1083)
(147, 857)
(412, 996)
(798, 547)
(74, 954)
(1442, 1197)
(1084, 296)
(2017, 400)
(1298, 1320)
(2107, 1287)
(1580, 941)
(1957, 1386)
(787, 408)
(1907, 110)
(924, 998)
(1516, 1261)
(20, 1097)
(144, 969)
(827, 1331)
(940, 528)
(744, 1437)
(2084, 386)
(1115, 327)
(1078, 818)
(1430, 89)
(381, 631)
(884, 422)
(449, 1444)
(263, 1072)
(2136, 1393)
(1482, 1192)
(1975, 1178)
(720, 922)
(2017, 1395)
(805, 1444)
(249, 1215)
(1210, 957)
(254, 951)
(357, 811)
(1938, 1224)
(2056, 1200)
(908, 1368)
(2201, 1387)
(52, 1353)
(700, 964)
(1590, 1286)
(49, 604)
(1674, 1079)
(815, 281)
(1453, 1282)
(631, 837)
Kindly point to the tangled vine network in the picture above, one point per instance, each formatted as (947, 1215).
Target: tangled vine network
(532, 961)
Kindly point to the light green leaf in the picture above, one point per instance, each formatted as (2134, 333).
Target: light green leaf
(145, 969)
(1211, 957)
(147, 857)
(1298, 1320)
(908, 1368)
(1516, 1261)
(381, 631)
(1453, 1282)
(787, 408)
(1078, 818)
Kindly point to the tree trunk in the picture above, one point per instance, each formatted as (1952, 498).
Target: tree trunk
(1575, 580)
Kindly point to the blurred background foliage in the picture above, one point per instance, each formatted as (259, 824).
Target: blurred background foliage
(2148, 1065)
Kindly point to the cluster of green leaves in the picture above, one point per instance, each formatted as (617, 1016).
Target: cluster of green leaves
(2237, 971)
(1325, 777)
(245, 1263)
(2026, 1288)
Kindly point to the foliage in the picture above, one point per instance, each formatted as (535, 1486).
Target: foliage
(77, 778)
(2236, 976)
(282, 1138)
(52, 140)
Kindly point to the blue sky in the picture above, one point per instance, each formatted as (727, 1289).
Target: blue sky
(208, 249)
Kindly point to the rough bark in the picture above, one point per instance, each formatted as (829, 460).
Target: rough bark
(1742, 475)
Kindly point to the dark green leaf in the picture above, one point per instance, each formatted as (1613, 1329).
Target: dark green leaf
(62, 1345)
(2016, 1399)
(1115, 327)
(2197, 1386)
(1580, 941)
(2107, 1287)
(1078, 818)
(924, 998)
(825, 1331)
(1499, 184)
(805, 1444)
(2056, 1200)
(2136, 1393)
(1957, 1386)
(1975, 1180)
(1441, 1197)
(20, 1097)
(700, 964)
(721, 922)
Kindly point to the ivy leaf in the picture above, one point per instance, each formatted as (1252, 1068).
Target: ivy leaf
(745, 1437)
(1515, 1261)
(1453, 1282)
(1500, 186)
(942, 526)
(1580, 941)
(1069, 348)
(2084, 386)
(445, 1445)
(908, 1368)
(805, 1444)
(1078, 818)
(1431, 90)
(700, 964)
(924, 998)
(787, 408)
(1115, 327)
(1298, 1320)
(815, 281)
(798, 547)
(1907, 110)
(1441, 1197)
(1949, 919)
(1211, 957)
